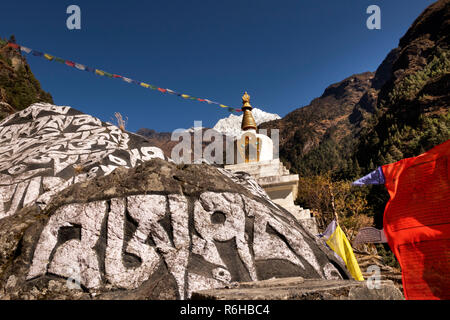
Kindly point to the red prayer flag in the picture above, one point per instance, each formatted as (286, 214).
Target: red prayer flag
(116, 76)
(201, 100)
(162, 90)
(70, 63)
(417, 221)
(13, 45)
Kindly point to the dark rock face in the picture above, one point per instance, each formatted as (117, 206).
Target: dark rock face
(428, 35)
(329, 120)
(161, 140)
(410, 85)
(154, 230)
(301, 289)
(416, 95)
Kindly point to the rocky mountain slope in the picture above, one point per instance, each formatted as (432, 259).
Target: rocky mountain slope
(89, 211)
(400, 110)
(18, 86)
(314, 138)
(413, 106)
(163, 140)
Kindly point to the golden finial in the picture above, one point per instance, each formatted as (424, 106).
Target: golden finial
(248, 122)
(246, 100)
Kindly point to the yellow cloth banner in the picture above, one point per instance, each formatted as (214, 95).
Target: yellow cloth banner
(338, 242)
(145, 85)
(185, 96)
(99, 72)
(48, 57)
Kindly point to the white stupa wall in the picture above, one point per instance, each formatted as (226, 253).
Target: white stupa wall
(266, 147)
(271, 175)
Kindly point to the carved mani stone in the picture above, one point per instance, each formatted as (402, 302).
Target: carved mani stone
(162, 234)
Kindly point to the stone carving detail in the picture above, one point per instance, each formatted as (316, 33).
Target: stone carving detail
(233, 227)
(165, 231)
(249, 183)
(75, 254)
(116, 272)
(43, 147)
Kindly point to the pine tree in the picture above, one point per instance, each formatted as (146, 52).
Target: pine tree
(371, 165)
(395, 153)
(357, 168)
(388, 159)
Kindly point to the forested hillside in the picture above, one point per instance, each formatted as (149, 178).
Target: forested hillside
(371, 119)
(18, 86)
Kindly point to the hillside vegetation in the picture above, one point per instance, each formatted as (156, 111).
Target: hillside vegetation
(18, 86)
(369, 120)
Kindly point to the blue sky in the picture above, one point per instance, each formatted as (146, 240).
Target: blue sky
(284, 53)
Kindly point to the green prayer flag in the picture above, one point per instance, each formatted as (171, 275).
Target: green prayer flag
(60, 60)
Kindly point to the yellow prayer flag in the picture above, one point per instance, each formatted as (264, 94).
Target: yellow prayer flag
(185, 96)
(145, 85)
(99, 72)
(339, 243)
(223, 106)
(48, 57)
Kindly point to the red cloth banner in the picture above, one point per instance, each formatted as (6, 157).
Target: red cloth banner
(417, 221)
(13, 45)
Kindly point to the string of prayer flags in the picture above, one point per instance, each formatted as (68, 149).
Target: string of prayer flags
(80, 66)
(102, 73)
(59, 60)
(25, 49)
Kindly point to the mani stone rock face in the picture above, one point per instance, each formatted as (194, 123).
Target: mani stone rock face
(150, 229)
(45, 148)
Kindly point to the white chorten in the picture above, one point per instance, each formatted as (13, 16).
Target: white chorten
(255, 156)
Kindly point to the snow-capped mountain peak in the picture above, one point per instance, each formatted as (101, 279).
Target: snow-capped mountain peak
(231, 125)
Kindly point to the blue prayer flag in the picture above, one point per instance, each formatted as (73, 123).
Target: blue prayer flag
(375, 177)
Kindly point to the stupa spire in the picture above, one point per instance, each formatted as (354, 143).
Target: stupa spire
(248, 122)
